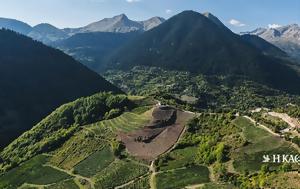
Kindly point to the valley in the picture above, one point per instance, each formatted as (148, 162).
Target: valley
(184, 102)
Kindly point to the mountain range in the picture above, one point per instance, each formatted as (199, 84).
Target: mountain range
(188, 120)
(118, 24)
(285, 37)
(192, 42)
(36, 79)
(48, 33)
(91, 48)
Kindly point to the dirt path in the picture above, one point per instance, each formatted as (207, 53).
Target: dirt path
(153, 175)
(270, 131)
(195, 186)
(262, 126)
(293, 122)
(26, 185)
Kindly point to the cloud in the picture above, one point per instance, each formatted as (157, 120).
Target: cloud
(133, 1)
(274, 26)
(168, 11)
(236, 23)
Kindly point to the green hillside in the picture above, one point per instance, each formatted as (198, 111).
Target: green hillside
(192, 42)
(36, 79)
(215, 93)
(217, 150)
(60, 125)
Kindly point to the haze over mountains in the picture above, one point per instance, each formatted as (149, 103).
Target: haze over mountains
(285, 37)
(36, 79)
(48, 33)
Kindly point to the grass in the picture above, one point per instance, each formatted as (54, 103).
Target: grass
(249, 158)
(142, 109)
(32, 172)
(179, 158)
(76, 149)
(118, 173)
(253, 162)
(182, 177)
(95, 163)
(126, 122)
(67, 184)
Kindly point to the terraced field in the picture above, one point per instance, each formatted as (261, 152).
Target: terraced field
(176, 179)
(95, 163)
(126, 122)
(249, 158)
(118, 173)
(33, 172)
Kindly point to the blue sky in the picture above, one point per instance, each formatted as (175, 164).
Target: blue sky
(239, 15)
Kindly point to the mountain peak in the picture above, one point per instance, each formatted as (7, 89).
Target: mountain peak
(214, 19)
(121, 17)
(208, 14)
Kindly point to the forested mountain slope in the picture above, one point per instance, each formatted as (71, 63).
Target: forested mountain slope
(36, 79)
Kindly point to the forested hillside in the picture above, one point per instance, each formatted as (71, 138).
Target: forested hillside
(36, 79)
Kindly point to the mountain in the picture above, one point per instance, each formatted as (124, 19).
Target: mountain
(266, 47)
(214, 19)
(151, 23)
(190, 41)
(285, 37)
(118, 24)
(15, 25)
(91, 48)
(36, 79)
(47, 33)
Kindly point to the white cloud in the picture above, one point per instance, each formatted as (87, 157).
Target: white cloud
(274, 26)
(133, 1)
(168, 11)
(236, 23)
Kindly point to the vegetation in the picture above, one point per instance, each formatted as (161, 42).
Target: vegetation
(126, 122)
(182, 177)
(291, 109)
(191, 42)
(178, 158)
(95, 163)
(59, 126)
(66, 184)
(209, 93)
(35, 80)
(119, 173)
(260, 142)
(32, 172)
(274, 123)
(76, 149)
(142, 183)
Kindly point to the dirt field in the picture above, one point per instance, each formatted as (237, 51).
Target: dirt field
(293, 122)
(153, 140)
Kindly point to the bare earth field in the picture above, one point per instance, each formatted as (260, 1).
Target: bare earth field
(159, 136)
(293, 122)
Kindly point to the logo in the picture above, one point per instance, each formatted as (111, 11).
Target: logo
(281, 158)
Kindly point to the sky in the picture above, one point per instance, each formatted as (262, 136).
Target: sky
(238, 15)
